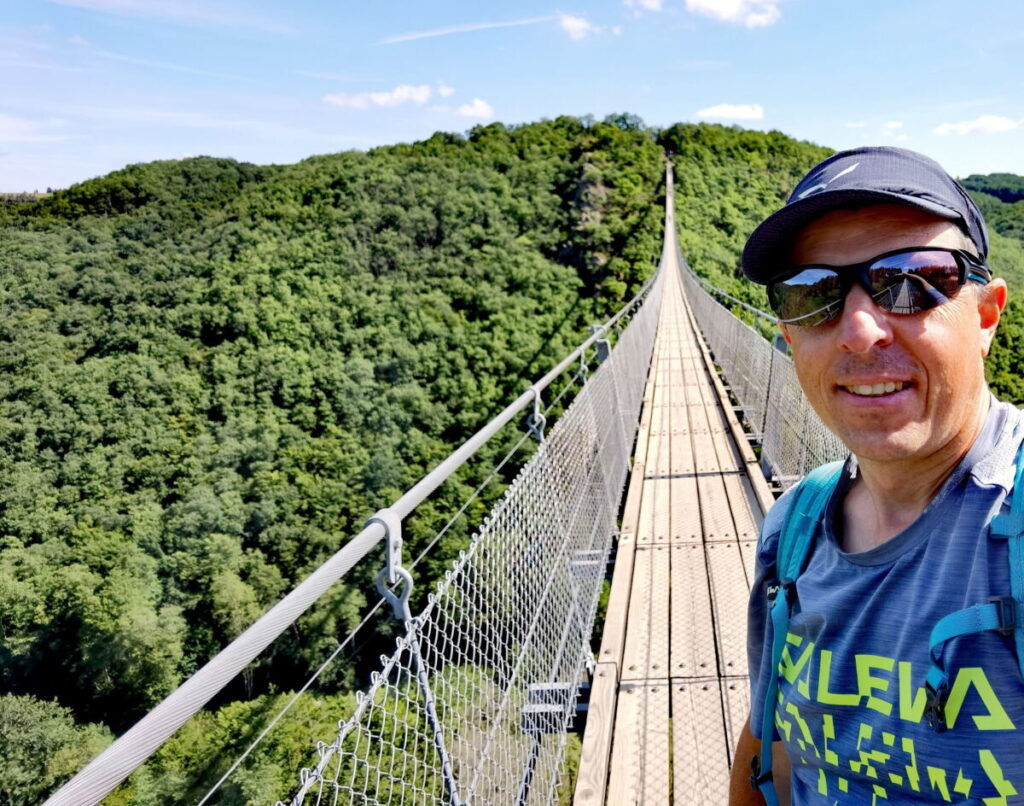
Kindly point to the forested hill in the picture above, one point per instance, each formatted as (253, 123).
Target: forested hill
(212, 372)
(1001, 199)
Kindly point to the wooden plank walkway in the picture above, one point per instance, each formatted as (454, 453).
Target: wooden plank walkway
(670, 692)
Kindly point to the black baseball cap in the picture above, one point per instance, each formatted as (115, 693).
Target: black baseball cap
(855, 177)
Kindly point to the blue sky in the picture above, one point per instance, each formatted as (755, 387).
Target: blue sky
(88, 86)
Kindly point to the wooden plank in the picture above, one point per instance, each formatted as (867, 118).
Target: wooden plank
(692, 645)
(655, 524)
(702, 389)
(729, 459)
(700, 759)
(592, 778)
(746, 514)
(715, 413)
(653, 458)
(748, 548)
(684, 503)
(736, 704)
(631, 509)
(682, 460)
(715, 509)
(704, 454)
(729, 594)
(613, 638)
(640, 750)
(647, 631)
(659, 449)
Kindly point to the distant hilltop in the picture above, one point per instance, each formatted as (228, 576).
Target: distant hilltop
(14, 198)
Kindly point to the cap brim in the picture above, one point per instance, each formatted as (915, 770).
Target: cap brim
(767, 250)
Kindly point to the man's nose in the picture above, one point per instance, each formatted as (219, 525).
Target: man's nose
(862, 324)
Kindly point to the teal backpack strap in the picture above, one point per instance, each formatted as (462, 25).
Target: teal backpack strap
(795, 541)
(1004, 614)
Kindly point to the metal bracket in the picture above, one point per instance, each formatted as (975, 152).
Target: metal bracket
(394, 582)
(604, 347)
(537, 420)
(584, 370)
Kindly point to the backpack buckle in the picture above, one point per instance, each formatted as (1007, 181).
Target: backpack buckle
(1006, 607)
(758, 778)
(935, 706)
(789, 588)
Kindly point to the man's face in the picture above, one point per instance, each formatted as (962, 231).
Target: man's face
(934, 357)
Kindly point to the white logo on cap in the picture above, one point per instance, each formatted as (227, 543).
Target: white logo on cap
(822, 185)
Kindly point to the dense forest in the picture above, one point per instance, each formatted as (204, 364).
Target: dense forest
(212, 372)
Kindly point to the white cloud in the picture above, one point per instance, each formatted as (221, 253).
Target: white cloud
(402, 94)
(444, 90)
(750, 13)
(616, 30)
(476, 109)
(462, 29)
(856, 124)
(732, 112)
(19, 130)
(986, 124)
(78, 40)
(893, 124)
(644, 5)
(198, 14)
(577, 27)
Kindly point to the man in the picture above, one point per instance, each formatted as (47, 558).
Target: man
(876, 269)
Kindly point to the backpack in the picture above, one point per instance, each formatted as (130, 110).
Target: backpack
(1004, 614)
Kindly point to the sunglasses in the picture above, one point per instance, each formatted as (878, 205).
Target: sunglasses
(906, 281)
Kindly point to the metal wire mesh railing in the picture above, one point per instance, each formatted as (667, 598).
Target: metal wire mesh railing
(763, 380)
(474, 703)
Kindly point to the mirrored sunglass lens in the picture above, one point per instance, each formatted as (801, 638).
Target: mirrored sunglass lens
(913, 282)
(811, 291)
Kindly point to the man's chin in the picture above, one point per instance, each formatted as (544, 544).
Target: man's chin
(888, 446)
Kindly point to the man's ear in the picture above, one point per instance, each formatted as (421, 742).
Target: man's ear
(991, 302)
(785, 332)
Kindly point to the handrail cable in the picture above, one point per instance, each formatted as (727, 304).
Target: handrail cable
(107, 770)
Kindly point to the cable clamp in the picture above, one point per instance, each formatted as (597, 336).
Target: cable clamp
(394, 582)
(536, 421)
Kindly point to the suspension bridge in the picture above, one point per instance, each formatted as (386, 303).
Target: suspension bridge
(650, 471)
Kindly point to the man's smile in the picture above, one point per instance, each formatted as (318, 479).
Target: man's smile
(876, 389)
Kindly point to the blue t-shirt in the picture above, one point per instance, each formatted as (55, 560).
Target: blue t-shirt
(851, 682)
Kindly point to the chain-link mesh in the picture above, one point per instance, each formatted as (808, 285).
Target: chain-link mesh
(763, 380)
(474, 704)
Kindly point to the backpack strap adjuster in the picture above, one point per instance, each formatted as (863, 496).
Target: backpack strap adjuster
(757, 778)
(1006, 608)
(789, 589)
(935, 706)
